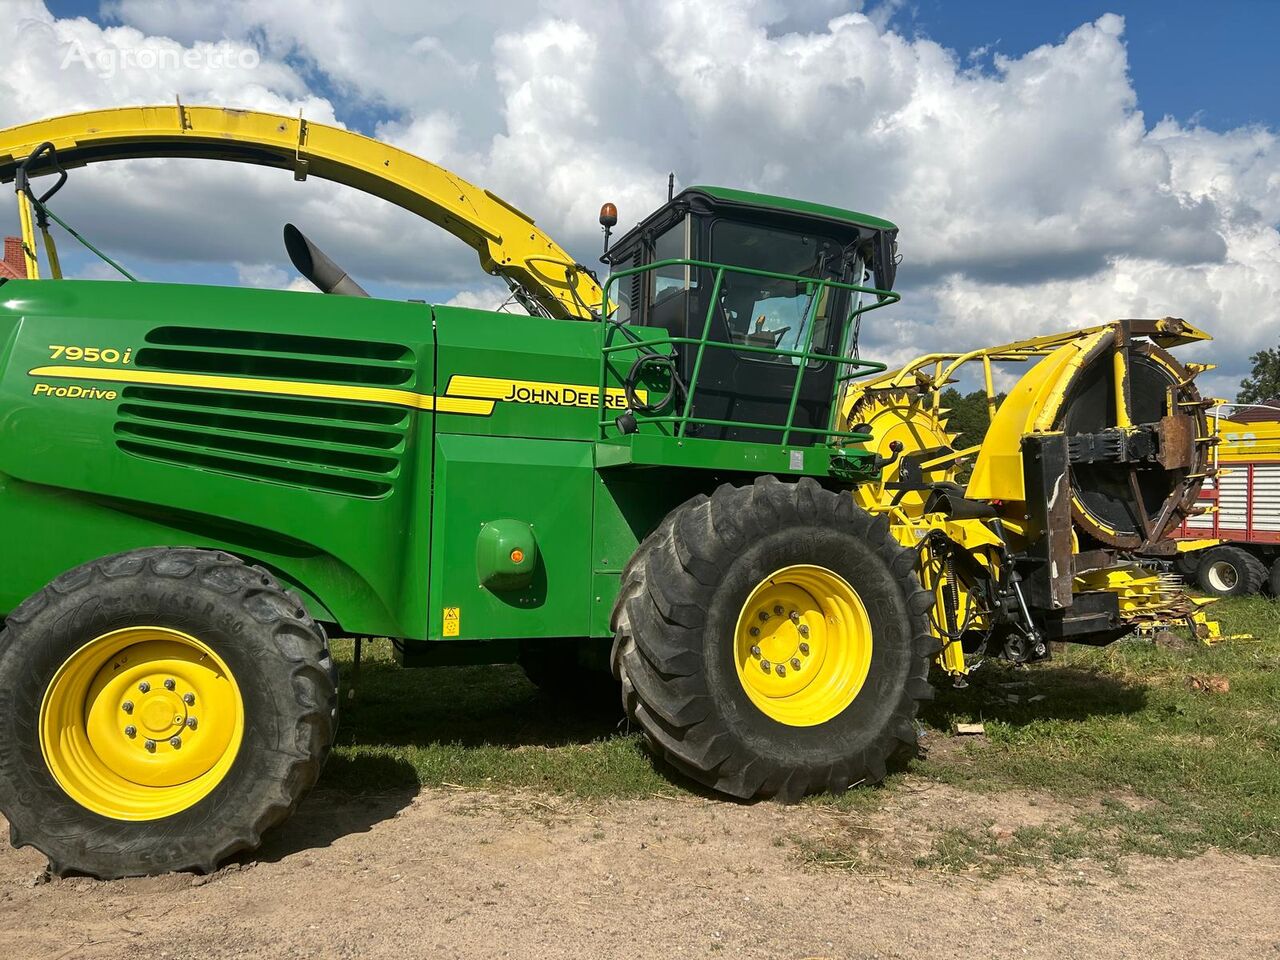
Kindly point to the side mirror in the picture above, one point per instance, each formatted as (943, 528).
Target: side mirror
(885, 265)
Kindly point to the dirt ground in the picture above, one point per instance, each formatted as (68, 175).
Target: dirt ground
(465, 874)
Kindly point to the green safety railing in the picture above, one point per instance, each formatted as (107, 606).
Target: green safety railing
(814, 288)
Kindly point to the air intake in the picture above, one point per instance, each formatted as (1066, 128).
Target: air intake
(337, 446)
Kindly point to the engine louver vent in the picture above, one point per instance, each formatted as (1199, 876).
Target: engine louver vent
(336, 446)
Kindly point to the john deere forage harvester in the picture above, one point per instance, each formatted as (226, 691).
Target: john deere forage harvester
(199, 485)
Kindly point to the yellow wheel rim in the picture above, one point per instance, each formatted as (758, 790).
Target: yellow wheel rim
(141, 723)
(802, 645)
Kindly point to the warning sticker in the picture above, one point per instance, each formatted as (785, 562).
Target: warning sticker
(452, 621)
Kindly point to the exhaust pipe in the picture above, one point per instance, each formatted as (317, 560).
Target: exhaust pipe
(312, 263)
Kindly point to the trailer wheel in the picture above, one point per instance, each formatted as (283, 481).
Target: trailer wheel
(771, 641)
(159, 710)
(1230, 572)
(1273, 581)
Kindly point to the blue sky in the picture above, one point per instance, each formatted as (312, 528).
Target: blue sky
(1214, 62)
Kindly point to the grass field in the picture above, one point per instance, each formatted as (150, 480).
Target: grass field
(1145, 762)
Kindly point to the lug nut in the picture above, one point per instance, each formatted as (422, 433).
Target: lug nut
(169, 684)
(188, 698)
(795, 663)
(144, 687)
(804, 649)
(151, 746)
(131, 731)
(755, 631)
(804, 631)
(795, 617)
(755, 651)
(175, 742)
(765, 665)
(127, 706)
(777, 608)
(763, 616)
(782, 671)
(191, 722)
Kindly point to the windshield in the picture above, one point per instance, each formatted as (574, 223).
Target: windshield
(773, 313)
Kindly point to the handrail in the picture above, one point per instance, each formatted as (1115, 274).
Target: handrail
(815, 288)
(1018, 351)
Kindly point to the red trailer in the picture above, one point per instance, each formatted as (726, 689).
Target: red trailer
(1242, 505)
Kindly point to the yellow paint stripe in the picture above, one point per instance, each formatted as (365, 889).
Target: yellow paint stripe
(289, 388)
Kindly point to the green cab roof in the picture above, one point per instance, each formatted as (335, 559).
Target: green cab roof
(746, 198)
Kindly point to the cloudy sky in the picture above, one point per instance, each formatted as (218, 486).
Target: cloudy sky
(1050, 165)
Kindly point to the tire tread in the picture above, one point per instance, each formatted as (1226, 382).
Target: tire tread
(660, 612)
(311, 675)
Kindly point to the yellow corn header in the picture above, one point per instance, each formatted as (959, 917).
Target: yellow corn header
(1034, 534)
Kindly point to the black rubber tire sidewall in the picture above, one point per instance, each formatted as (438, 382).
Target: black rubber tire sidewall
(1186, 564)
(280, 702)
(675, 622)
(1249, 571)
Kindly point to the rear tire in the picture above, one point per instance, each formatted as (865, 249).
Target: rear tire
(1273, 581)
(692, 586)
(73, 772)
(559, 669)
(1186, 564)
(1230, 572)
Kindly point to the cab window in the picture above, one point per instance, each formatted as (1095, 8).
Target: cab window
(671, 245)
(768, 312)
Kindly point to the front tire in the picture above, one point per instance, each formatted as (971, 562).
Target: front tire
(760, 703)
(159, 710)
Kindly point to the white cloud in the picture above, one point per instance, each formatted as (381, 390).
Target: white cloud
(487, 298)
(1032, 195)
(268, 276)
(56, 66)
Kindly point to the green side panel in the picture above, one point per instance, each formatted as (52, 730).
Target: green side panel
(649, 449)
(542, 374)
(48, 530)
(543, 377)
(619, 522)
(628, 506)
(546, 484)
(119, 430)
